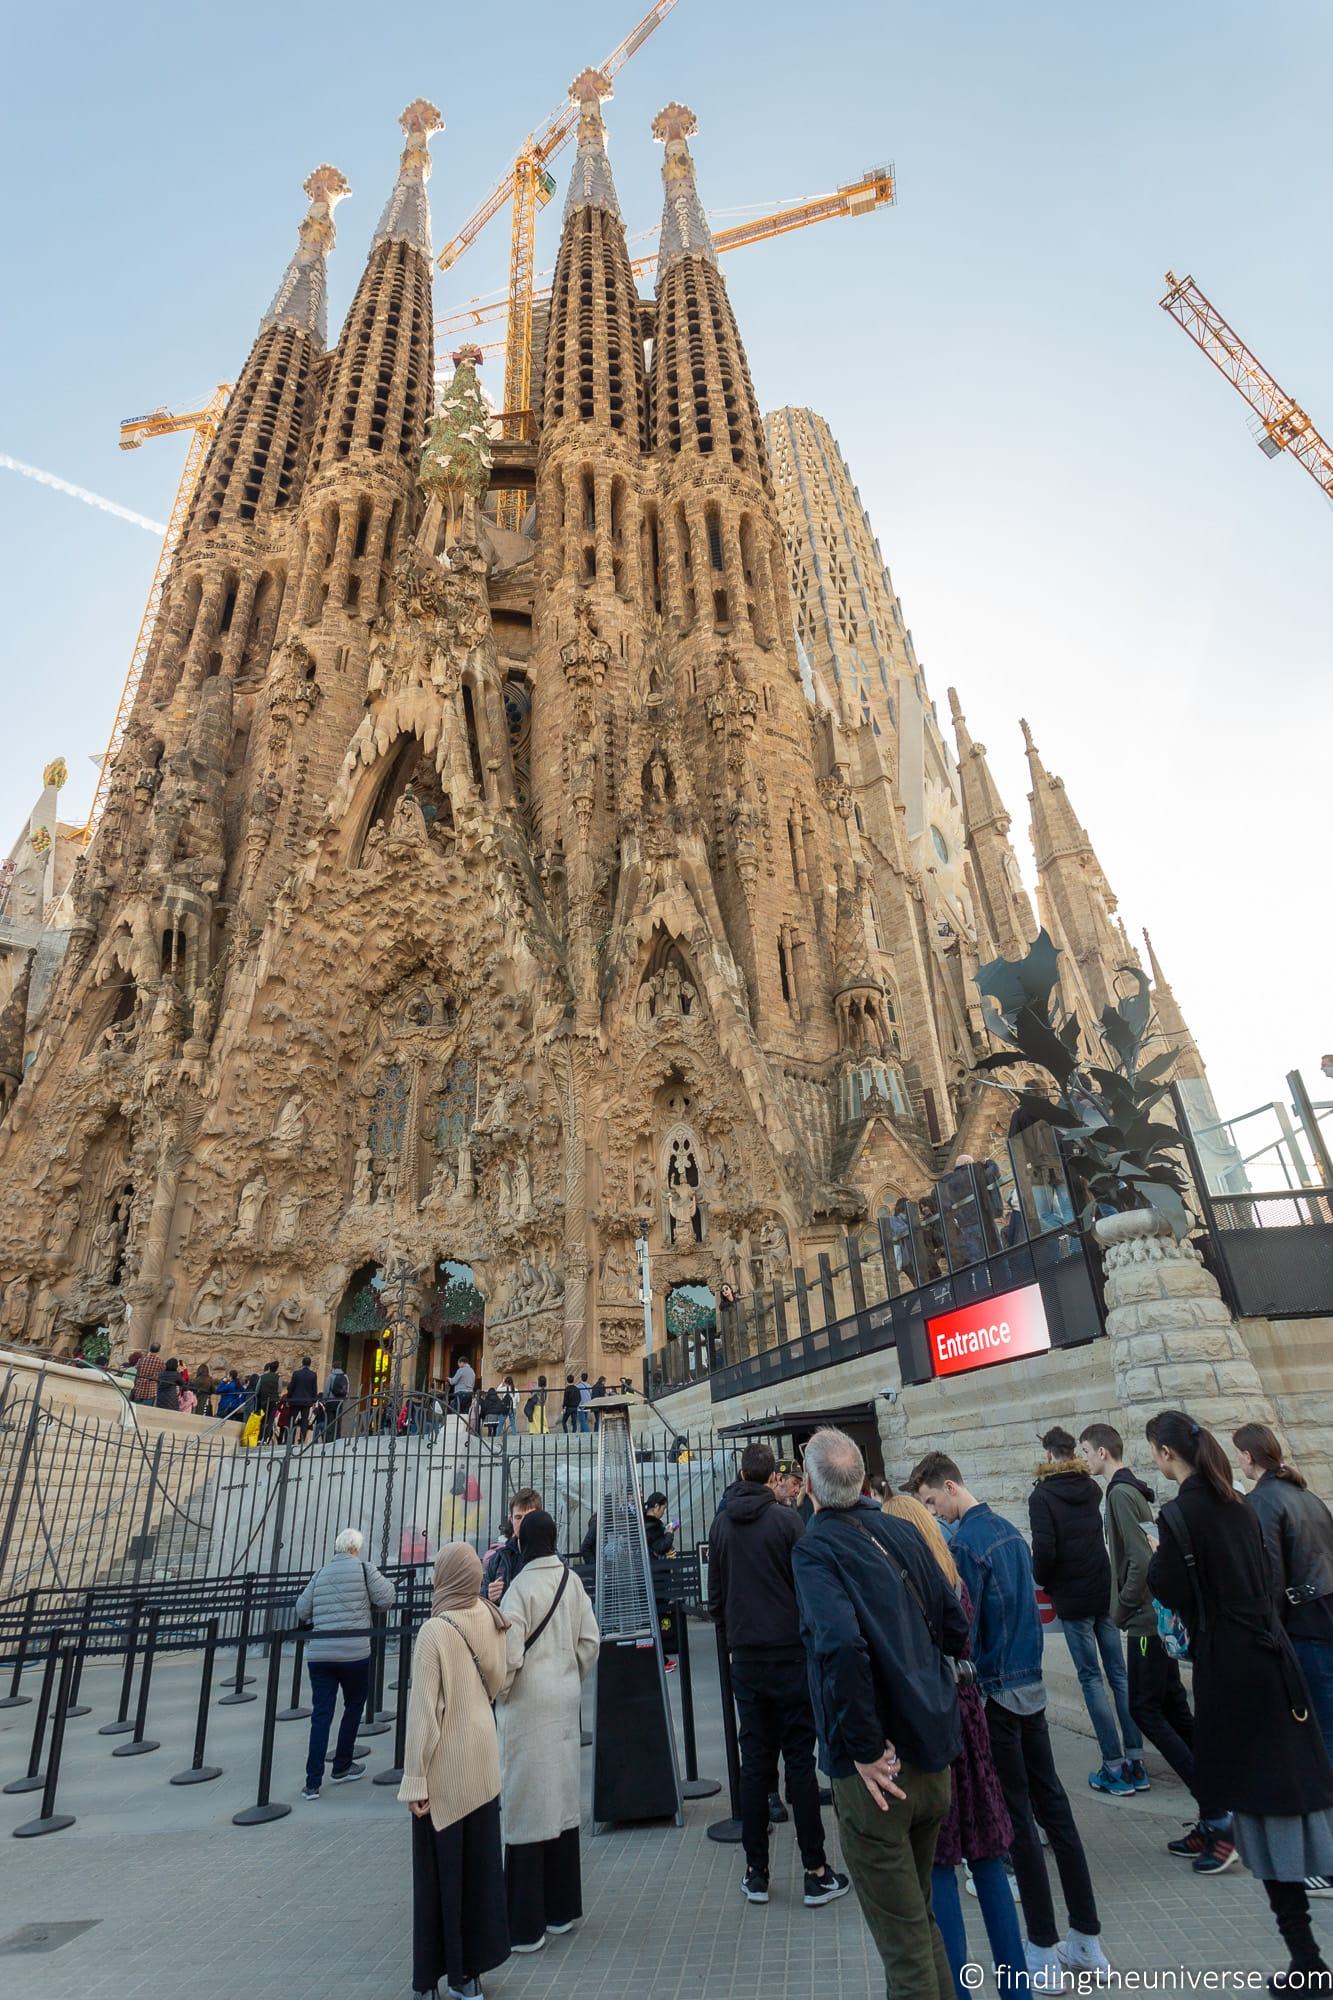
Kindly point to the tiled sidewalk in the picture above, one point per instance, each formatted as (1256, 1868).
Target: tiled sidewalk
(181, 1905)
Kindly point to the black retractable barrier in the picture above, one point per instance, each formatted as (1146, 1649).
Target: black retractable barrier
(199, 1773)
(296, 1710)
(394, 1776)
(264, 1808)
(240, 1679)
(33, 1780)
(77, 1707)
(375, 1722)
(728, 1830)
(137, 1747)
(122, 1724)
(14, 1699)
(49, 1820)
(692, 1785)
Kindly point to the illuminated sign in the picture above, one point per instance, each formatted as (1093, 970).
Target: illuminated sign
(1006, 1328)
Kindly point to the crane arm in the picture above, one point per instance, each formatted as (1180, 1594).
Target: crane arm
(1286, 425)
(545, 143)
(205, 424)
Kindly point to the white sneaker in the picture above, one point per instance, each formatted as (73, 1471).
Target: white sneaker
(1081, 1953)
(1045, 1972)
(539, 1946)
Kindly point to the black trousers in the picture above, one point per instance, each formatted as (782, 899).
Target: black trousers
(459, 1928)
(544, 1885)
(774, 1718)
(299, 1419)
(1291, 1906)
(1159, 1704)
(1025, 1766)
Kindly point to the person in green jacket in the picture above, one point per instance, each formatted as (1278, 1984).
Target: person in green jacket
(1157, 1698)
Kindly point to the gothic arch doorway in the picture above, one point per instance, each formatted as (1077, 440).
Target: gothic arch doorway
(453, 1324)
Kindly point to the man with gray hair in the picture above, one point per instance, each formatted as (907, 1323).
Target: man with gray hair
(337, 1603)
(878, 1622)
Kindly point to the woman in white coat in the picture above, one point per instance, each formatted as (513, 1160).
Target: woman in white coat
(551, 1645)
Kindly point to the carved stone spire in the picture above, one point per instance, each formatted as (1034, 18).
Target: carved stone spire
(406, 217)
(1056, 831)
(301, 300)
(590, 184)
(685, 231)
(1004, 901)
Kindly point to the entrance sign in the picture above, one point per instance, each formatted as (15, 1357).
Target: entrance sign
(1006, 1328)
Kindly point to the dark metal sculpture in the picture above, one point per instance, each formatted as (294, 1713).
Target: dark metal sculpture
(1120, 1156)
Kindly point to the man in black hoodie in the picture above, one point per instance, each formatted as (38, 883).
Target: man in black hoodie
(751, 1595)
(1070, 1563)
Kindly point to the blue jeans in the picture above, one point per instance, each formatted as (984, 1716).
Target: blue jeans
(996, 1901)
(1316, 1658)
(509, 1424)
(326, 1677)
(584, 1424)
(1094, 1643)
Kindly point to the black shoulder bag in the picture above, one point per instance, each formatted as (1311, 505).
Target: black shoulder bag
(963, 1671)
(536, 1634)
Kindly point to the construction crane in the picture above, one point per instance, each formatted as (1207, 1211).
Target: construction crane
(1284, 425)
(204, 424)
(529, 186)
(875, 188)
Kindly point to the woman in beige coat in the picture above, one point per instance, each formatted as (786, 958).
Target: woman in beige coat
(550, 1646)
(451, 1782)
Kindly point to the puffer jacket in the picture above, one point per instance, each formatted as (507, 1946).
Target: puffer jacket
(1069, 1558)
(339, 1598)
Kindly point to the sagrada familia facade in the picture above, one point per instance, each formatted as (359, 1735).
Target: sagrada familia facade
(489, 897)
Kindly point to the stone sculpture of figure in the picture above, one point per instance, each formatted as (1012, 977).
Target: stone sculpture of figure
(390, 1178)
(287, 1220)
(363, 1190)
(64, 1222)
(773, 1246)
(528, 1295)
(467, 1186)
(687, 997)
(250, 1308)
(643, 1185)
(201, 1016)
(250, 1208)
(522, 1188)
(290, 1126)
(441, 1183)
(644, 1010)
(670, 989)
(105, 1244)
(683, 1208)
(498, 1116)
(618, 1272)
(14, 1310)
(207, 1309)
(504, 1193)
(289, 1316)
(408, 823)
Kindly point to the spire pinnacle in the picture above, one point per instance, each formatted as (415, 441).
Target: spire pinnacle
(685, 231)
(302, 297)
(1029, 745)
(956, 709)
(590, 184)
(406, 217)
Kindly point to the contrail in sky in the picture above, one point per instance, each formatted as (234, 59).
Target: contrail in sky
(82, 493)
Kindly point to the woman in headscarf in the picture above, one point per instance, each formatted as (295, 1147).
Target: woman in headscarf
(451, 1782)
(551, 1645)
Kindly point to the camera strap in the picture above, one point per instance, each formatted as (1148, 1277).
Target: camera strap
(904, 1576)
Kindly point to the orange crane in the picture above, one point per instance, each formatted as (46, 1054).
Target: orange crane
(529, 186)
(874, 189)
(204, 424)
(1284, 425)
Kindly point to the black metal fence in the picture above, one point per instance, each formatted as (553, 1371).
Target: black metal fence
(95, 1501)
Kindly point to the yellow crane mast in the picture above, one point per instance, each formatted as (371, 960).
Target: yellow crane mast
(1284, 424)
(875, 188)
(529, 186)
(158, 423)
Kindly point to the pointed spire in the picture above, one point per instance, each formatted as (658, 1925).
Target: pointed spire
(406, 217)
(302, 298)
(1056, 831)
(590, 184)
(982, 804)
(685, 231)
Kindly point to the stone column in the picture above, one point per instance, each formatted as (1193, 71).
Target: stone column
(1174, 1344)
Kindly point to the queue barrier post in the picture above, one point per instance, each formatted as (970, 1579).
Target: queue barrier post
(14, 1699)
(137, 1747)
(375, 1722)
(48, 1819)
(265, 1808)
(122, 1724)
(32, 1779)
(77, 1707)
(394, 1776)
(728, 1831)
(692, 1785)
(240, 1678)
(296, 1710)
(199, 1773)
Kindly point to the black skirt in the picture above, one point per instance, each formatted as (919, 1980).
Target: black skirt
(544, 1884)
(459, 1928)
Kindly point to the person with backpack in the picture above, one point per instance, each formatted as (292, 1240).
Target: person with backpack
(570, 1404)
(268, 1392)
(1157, 1698)
(337, 1604)
(534, 1410)
(335, 1395)
(1255, 1736)
(232, 1398)
(552, 1646)
(509, 1408)
(492, 1410)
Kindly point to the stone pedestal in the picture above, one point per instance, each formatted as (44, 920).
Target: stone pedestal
(1174, 1344)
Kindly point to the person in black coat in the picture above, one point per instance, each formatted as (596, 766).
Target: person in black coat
(1256, 1741)
(302, 1395)
(1070, 1562)
(168, 1395)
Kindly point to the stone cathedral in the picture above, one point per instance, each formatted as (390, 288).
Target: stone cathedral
(471, 896)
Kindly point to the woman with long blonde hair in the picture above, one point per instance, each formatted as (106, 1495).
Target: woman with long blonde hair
(977, 1828)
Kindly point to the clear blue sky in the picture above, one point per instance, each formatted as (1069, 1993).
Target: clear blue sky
(1078, 524)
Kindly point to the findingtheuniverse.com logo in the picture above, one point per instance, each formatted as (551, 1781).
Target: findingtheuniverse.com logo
(1151, 1979)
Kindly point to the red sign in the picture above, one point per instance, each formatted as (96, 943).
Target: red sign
(1001, 1329)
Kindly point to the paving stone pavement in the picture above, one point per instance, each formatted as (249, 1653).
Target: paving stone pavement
(182, 1905)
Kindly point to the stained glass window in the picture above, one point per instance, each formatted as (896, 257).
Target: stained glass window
(455, 1104)
(388, 1115)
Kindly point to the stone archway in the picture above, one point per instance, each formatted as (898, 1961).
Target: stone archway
(453, 1320)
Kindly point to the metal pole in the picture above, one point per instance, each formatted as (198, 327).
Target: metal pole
(147, 1511)
(136, 1747)
(263, 1808)
(122, 1724)
(237, 1684)
(77, 1707)
(728, 1831)
(1300, 1098)
(692, 1786)
(49, 1820)
(14, 1699)
(296, 1711)
(645, 1290)
(199, 1773)
(29, 1445)
(33, 1781)
(395, 1775)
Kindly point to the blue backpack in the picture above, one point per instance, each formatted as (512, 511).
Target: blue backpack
(1172, 1630)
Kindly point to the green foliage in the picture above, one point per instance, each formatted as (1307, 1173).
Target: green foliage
(1121, 1156)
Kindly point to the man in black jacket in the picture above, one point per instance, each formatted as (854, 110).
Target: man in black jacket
(1070, 1562)
(878, 1622)
(503, 1564)
(752, 1596)
(302, 1394)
